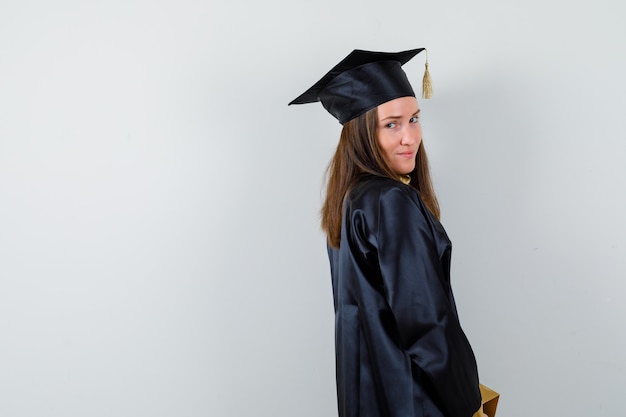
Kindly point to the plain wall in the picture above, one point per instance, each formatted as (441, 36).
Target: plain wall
(160, 250)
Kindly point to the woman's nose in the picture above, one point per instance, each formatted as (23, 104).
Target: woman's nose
(408, 137)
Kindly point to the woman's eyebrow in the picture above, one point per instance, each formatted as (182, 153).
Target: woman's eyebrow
(390, 117)
(399, 117)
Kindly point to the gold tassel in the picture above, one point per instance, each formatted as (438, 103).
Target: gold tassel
(427, 87)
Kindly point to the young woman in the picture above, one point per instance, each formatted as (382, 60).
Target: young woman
(400, 349)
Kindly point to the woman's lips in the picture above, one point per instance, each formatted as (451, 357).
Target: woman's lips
(408, 154)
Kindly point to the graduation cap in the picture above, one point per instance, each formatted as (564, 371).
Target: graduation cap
(362, 81)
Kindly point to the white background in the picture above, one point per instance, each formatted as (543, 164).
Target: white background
(160, 251)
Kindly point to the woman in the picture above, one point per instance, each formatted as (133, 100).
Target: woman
(400, 349)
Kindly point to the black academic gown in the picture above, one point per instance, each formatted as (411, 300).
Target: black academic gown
(400, 349)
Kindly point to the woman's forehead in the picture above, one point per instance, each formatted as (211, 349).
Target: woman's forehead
(398, 107)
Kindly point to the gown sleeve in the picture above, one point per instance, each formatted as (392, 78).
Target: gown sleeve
(414, 264)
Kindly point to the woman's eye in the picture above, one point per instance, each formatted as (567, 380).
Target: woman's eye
(414, 119)
(391, 125)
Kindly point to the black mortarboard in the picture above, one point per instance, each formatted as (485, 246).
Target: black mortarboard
(361, 81)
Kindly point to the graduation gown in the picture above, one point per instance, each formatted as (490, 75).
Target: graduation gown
(400, 350)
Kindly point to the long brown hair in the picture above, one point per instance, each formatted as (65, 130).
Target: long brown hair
(358, 153)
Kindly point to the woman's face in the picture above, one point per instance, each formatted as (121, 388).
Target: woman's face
(399, 133)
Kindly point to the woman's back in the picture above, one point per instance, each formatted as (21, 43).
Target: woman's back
(400, 348)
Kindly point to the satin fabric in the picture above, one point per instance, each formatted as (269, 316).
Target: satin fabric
(352, 93)
(360, 82)
(400, 350)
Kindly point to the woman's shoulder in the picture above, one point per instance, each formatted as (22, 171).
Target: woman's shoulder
(379, 205)
(374, 189)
